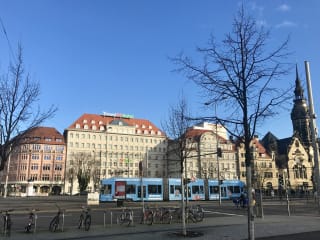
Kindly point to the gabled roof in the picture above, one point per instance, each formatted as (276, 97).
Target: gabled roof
(43, 135)
(91, 120)
(283, 145)
(197, 133)
(260, 148)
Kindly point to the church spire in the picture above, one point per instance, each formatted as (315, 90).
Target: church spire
(300, 114)
(298, 92)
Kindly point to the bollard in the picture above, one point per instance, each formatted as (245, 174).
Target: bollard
(62, 221)
(35, 222)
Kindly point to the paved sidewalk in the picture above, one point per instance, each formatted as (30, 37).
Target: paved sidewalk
(220, 228)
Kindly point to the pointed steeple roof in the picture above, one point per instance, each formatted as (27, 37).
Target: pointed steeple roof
(298, 91)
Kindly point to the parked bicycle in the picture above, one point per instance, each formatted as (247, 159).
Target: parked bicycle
(55, 222)
(126, 217)
(32, 221)
(85, 218)
(195, 213)
(161, 215)
(6, 221)
(147, 216)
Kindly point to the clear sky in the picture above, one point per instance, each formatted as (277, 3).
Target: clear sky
(94, 56)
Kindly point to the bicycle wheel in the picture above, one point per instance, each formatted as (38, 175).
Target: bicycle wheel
(87, 223)
(166, 217)
(28, 228)
(129, 217)
(80, 223)
(149, 218)
(199, 216)
(54, 224)
(122, 218)
(190, 216)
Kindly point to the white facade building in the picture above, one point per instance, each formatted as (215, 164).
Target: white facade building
(111, 145)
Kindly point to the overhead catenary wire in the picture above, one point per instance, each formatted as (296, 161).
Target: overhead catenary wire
(7, 38)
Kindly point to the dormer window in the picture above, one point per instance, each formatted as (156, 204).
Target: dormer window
(143, 126)
(77, 125)
(85, 126)
(93, 121)
(85, 121)
(94, 127)
(150, 127)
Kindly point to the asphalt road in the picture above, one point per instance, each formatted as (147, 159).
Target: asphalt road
(106, 213)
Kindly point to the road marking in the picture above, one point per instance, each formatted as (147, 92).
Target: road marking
(223, 213)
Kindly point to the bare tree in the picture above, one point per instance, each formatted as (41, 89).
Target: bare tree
(180, 145)
(83, 168)
(242, 75)
(18, 114)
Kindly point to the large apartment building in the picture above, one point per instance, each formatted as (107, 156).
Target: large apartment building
(109, 145)
(202, 159)
(265, 172)
(36, 166)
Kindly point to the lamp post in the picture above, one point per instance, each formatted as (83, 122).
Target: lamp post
(218, 150)
(7, 175)
(218, 154)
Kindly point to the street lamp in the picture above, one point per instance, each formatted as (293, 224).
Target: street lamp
(218, 150)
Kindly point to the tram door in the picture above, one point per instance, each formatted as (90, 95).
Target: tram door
(144, 192)
(223, 191)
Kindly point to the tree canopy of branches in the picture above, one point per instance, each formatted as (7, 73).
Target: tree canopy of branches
(18, 113)
(179, 121)
(179, 149)
(241, 75)
(83, 166)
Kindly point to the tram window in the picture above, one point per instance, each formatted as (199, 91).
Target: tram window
(236, 189)
(106, 189)
(214, 189)
(154, 189)
(175, 189)
(131, 189)
(139, 191)
(230, 189)
(171, 189)
(195, 189)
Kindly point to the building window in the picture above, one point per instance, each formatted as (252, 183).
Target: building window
(45, 177)
(46, 167)
(47, 157)
(57, 177)
(22, 177)
(47, 148)
(58, 167)
(35, 156)
(36, 147)
(34, 166)
(34, 177)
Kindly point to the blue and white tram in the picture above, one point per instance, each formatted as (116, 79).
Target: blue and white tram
(195, 189)
(116, 188)
(158, 189)
(230, 189)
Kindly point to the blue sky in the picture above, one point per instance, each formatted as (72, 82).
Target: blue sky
(94, 56)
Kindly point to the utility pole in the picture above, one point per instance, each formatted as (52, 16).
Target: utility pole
(218, 153)
(313, 134)
(7, 175)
